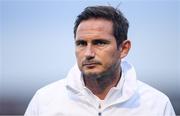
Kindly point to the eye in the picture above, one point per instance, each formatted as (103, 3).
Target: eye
(81, 43)
(100, 42)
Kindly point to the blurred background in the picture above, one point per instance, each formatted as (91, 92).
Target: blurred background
(37, 46)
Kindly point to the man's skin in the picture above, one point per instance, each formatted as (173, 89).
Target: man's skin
(98, 56)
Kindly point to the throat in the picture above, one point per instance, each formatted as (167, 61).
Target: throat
(100, 86)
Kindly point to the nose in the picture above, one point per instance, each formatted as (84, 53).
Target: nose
(89, 53)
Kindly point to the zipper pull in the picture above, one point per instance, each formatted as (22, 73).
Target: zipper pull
(99, 106)
(99, 113)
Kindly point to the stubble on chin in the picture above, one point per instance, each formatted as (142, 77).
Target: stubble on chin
(91, 74)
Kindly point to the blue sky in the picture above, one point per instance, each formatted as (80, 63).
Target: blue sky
(37, 44)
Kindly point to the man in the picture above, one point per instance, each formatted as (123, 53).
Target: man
(101, 83)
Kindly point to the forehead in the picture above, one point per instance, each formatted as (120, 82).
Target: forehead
(95, 27)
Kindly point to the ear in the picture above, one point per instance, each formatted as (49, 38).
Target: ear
(124, 48)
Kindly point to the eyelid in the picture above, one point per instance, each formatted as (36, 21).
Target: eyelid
(100, 41)
(94, 42)
(80, 42)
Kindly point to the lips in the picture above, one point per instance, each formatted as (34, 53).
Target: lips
(90, 64)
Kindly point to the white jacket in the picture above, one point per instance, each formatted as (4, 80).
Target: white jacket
(69, 97)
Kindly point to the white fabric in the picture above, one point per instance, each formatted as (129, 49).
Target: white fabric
(69, 97)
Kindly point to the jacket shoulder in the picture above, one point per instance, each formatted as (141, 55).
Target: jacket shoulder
(52, 91)
(53, 86)
(150, 92)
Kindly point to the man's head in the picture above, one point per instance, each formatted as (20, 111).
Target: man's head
(120, 23)
(101, 40)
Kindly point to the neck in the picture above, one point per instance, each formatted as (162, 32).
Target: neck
(100, 85)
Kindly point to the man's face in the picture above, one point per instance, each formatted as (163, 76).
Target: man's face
(96, 49)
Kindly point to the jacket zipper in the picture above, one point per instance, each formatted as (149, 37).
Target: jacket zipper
(99, 113)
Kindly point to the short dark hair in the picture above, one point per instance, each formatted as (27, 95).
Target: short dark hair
(120, 23)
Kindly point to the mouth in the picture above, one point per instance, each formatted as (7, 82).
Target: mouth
(90, 65)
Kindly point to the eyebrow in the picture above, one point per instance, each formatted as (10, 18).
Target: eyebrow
(101, 40)
(80, 40)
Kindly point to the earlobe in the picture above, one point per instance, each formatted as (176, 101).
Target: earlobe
(125, 47)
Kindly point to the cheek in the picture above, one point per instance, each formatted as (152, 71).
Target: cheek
(79, 56)
(78, 59)
(110, 58)
(77, 52)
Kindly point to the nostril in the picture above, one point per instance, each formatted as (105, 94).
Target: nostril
(89, 57)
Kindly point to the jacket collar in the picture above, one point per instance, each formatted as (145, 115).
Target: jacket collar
(126, 89)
